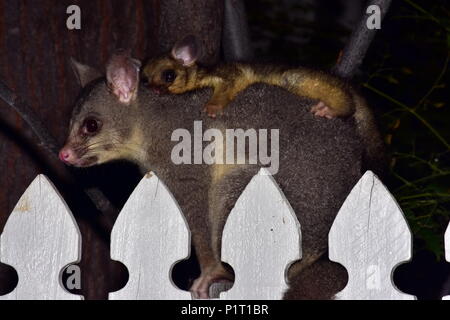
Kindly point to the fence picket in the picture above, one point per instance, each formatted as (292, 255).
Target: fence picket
(261, 237)
(149, 236)
(40, 238)
(447, 252)
(370, 237)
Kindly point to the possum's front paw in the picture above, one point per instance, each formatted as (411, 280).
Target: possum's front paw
(213, 109)
(201, 286)
(322, 110)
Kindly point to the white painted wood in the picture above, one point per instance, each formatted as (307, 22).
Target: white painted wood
(261, 239)
(447, 252)
(370, 237)
(40, 238)
(149, 237)
(217, 288)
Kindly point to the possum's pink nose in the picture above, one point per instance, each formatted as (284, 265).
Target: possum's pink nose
(66, 155)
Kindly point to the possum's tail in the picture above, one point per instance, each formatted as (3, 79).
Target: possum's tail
(374, 157)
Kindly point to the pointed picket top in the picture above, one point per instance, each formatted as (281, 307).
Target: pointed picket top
(149, 237)
(447, 252)
(40, 238)
(370, 238)
(260, 240)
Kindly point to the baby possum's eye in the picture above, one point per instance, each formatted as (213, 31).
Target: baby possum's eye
(91, 126)
(168, 75)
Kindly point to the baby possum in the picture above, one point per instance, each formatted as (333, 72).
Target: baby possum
(319, 162)
(178, 72)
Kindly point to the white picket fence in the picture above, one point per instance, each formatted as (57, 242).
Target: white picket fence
(369, 237)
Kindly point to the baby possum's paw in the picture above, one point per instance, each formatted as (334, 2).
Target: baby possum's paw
(322, 110)
(213, 109)
(201, 286)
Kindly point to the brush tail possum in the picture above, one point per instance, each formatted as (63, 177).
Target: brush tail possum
(319, 162)
(178, 72)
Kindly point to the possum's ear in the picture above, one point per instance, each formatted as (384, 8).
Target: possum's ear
(84, 73)
(122, 75)
(187, 51)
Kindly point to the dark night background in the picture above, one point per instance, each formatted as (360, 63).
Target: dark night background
(404, 76)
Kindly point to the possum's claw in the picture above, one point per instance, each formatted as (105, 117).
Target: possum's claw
(322, 110)
(201, 286)
(213, 109)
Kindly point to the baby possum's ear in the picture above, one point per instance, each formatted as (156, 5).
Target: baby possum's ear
(187, 51)
(84, 73)
(122, 75)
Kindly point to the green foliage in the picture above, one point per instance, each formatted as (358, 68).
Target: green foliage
(408, 79)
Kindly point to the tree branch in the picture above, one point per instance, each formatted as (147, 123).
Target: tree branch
(49, 143)
(236, 36)
(30, 117)
(360, 40)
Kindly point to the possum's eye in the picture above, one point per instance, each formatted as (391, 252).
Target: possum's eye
(91, 126)
(168, 75)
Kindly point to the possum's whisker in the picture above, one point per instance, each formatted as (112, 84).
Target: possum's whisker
(89, 146)
(134, 147)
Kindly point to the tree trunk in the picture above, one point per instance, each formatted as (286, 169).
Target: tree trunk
(35, 47)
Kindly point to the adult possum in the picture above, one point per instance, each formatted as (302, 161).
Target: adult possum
(319, 162)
